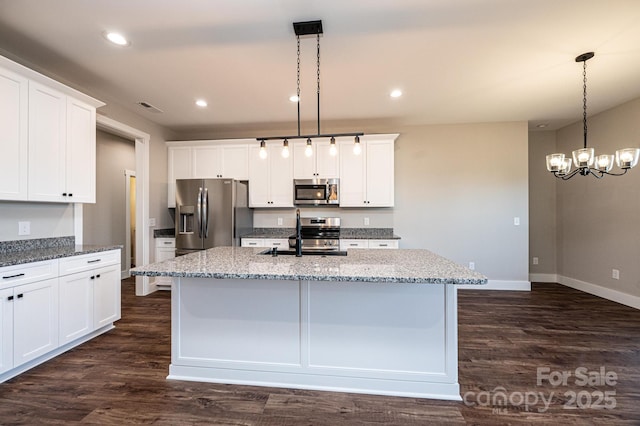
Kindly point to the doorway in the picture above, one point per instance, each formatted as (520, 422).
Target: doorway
(130, 224)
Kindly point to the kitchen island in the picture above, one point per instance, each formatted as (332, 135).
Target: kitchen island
(379, 322)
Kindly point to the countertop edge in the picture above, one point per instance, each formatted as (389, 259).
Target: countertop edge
(81, 250)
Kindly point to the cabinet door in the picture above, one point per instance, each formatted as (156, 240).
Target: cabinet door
(180, 167)
(379, 174)
(258, 178)
(280, 178)
(81, 152)
(235, 162)
(14, 97)
(352, 175)
(165, 253)
(303, 167)
(76, 306)
(47, 136)
(6, 329)
(207, 162)
(106, 296)
(35, 320)
(327, 165)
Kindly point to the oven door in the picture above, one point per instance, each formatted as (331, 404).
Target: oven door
(310, 193)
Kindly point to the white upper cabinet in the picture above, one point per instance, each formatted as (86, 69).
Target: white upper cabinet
(14, 96)
(180, 167)
(227, 158)
(221, 161)
(367, 179)
(47, 138)
(271, 178)
(320, 165)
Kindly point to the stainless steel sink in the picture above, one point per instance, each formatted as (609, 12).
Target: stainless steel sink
(276, 252)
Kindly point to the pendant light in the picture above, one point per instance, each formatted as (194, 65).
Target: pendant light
(307, 29)
(585, 160)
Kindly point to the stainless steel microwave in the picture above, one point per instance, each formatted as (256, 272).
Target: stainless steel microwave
(316, 192)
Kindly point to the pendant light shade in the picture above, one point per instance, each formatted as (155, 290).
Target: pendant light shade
(333, 150)
(585, 160)
(263, 150)
(285, 149)
(357, 149)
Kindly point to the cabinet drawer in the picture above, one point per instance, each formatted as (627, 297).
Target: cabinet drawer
(85, 262)
(383, 244)
(353, 244)
(28, 273)
(281, 243)
(165, 242)
(252, 242)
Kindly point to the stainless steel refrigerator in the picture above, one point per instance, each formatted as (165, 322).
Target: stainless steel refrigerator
(211, 213)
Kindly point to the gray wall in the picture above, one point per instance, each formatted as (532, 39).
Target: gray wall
(104, 222)
(542, 204)
(47, 220)
(598, 219)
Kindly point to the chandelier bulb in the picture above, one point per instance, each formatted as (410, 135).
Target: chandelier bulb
(285, 149)
(308, 151)
(263, 150)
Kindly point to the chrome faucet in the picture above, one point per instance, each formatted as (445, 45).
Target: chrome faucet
(298, 234)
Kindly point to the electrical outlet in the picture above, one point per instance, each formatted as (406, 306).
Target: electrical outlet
(24, 228)
(516, 221)
(472, 265)
(535, 260)
(152, 221)
(366, 221)
(615, 274)
(279, 221)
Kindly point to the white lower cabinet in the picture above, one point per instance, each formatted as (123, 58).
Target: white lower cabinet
(47, 305)
(346, 244)
(281, 243)
(165, 250)
(35, 320)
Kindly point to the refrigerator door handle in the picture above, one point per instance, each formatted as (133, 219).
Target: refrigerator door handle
(200, 212)
(205, 212)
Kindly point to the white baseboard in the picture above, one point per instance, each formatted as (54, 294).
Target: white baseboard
(543, 278)
(604, 292)
(498, 285)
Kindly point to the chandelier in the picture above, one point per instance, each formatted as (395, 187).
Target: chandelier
(585, 160)
(303, 29)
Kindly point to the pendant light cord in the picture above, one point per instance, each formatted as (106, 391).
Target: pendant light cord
(318, 73)
(298, 84)
(584, 100)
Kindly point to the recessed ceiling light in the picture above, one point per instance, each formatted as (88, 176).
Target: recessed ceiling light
(294, 98)
(201, 103)
(396, 93)
(542, 125)
(116, 38)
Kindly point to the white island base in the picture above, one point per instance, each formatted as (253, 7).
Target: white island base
(377, 338)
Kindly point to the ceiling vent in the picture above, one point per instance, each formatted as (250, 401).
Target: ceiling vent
(150, 107)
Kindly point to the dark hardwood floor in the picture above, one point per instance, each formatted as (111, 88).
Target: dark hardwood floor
(505, 337)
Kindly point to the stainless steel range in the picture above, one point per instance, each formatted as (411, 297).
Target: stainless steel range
(318, 234)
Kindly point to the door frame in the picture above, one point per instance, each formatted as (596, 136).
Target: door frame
(142, 141)
(128, 174)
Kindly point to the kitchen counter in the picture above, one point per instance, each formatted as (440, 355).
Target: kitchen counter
(35, 250)
(164, 233)
(391, 266)
(374, 321)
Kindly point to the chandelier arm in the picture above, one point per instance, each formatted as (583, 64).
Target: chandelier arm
(616, 174)
(595, 173)
(566, 177)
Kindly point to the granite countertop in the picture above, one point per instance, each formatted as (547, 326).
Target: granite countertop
(363, 265)
(164, 233)
(345, 233)
(36, 250)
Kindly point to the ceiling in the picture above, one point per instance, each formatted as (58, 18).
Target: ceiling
(456, 61)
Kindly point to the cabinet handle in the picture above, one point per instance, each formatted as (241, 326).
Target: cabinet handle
(98, 276)
(167, 242)
(10, 298)
(93, 261)
(353, 245)
(383, 245)
(64, 194)
(21, 295)
(70, 195)
(277, 244)
(12, 276)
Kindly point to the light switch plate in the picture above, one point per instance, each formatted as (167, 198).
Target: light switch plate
(152, 221)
